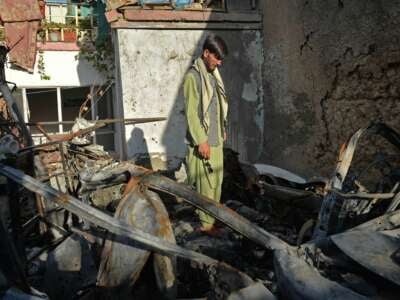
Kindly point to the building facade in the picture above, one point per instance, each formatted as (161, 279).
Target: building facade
(155, 48)
(62, 80)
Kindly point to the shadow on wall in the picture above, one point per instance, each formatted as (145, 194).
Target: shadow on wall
(138, 141)
(152, 71)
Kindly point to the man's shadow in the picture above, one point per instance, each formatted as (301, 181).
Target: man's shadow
(138, 141)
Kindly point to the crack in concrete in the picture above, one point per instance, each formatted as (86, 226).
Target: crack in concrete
(306, 42)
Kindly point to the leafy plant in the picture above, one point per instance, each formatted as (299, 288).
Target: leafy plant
(99, 53)
(54, 25)
(42, 67)
(2, 34)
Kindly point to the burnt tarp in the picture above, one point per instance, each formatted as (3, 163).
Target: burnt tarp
(21, 22)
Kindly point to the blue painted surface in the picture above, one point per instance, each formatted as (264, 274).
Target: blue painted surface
(176, 3)
(57, 1)
(183, 2)
(143, 2)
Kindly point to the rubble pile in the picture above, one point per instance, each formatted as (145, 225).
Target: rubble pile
(78, 224)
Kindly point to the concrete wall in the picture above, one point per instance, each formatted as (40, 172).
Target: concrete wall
(62, 67)
(330, 68)
(151, 65)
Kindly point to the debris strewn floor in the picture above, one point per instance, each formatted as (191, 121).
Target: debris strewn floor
(78, 224)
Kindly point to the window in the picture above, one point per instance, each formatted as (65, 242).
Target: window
(42, 108)
(58, 108)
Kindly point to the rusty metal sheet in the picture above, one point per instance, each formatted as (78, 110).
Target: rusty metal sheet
(373, 250)
(121, 264)
(164, 266)
(21, 23)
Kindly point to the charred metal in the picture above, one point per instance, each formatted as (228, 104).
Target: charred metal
(77, 223)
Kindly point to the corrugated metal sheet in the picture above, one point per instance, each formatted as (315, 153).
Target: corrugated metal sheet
(21, 22)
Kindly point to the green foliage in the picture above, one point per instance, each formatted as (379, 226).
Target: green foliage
(85, 23)
(2, 34)
(99, 53)
(42, 67)
(54, 25)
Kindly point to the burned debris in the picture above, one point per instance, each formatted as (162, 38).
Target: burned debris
(78, 224)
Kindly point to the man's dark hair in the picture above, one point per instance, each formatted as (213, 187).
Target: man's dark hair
(215, 44)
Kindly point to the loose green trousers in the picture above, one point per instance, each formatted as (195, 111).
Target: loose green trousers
(206, 177)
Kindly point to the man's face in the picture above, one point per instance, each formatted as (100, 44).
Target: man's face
(211, 60)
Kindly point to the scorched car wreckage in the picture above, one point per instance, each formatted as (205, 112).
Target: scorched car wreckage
(76, 223)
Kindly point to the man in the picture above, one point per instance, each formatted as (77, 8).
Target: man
(206, 110)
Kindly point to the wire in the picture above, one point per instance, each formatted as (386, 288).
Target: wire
(54, 90)
(99, 98)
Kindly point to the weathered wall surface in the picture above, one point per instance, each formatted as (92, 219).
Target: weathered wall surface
(151, 67)
(331, 67)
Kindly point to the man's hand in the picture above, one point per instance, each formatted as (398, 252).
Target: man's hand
(225, 136)
(204, 150)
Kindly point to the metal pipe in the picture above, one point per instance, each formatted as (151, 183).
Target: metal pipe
(106, 121)
(140, 239)
(220, 212)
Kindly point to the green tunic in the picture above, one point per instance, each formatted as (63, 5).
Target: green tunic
(205, 176)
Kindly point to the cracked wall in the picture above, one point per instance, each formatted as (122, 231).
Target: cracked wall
(151, 81)
(331, 68)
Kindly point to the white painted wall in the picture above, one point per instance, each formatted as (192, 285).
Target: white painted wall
(62, 67)
(151, 65)
(150, 83)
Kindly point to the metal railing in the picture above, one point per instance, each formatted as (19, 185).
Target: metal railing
(61, 34)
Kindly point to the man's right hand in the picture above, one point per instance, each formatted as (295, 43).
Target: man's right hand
(204, 150)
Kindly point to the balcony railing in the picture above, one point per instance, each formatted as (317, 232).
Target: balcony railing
(62, 34)
(65, 23)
